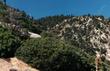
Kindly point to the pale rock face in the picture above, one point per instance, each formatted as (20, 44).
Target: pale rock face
(0, 23)
(67, 26)
(14, 64)
(77, 25)
(98, 54)
(95, 29)
(99, 18)
(65, 20)
(4, 65)
(57, 25)
(33, 35)
(102, 40)
(88, 21)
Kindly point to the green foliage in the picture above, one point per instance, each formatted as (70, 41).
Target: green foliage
(8, 43)
(51, 54)
(50, 21)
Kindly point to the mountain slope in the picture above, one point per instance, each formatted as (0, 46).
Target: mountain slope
(87, 32)
(90, 33)
(17, 20)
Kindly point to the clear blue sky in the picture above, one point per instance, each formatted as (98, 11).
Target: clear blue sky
(41, 8)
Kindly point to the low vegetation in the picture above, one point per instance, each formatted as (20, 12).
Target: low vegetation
(51, 54)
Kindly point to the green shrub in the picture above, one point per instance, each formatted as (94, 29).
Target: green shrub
(8, 43)
(50, 54)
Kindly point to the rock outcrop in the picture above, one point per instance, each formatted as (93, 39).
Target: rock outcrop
(14, 64)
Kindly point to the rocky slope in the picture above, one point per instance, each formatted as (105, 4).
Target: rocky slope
(87, 32)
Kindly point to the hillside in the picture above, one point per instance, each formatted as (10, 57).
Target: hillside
(91, 33)
(55, 43)
(88, 32)
(13, 24)
(16, 20)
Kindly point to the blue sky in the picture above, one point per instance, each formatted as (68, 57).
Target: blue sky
(42, 8)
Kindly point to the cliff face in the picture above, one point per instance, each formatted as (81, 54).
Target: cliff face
(88, 32)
